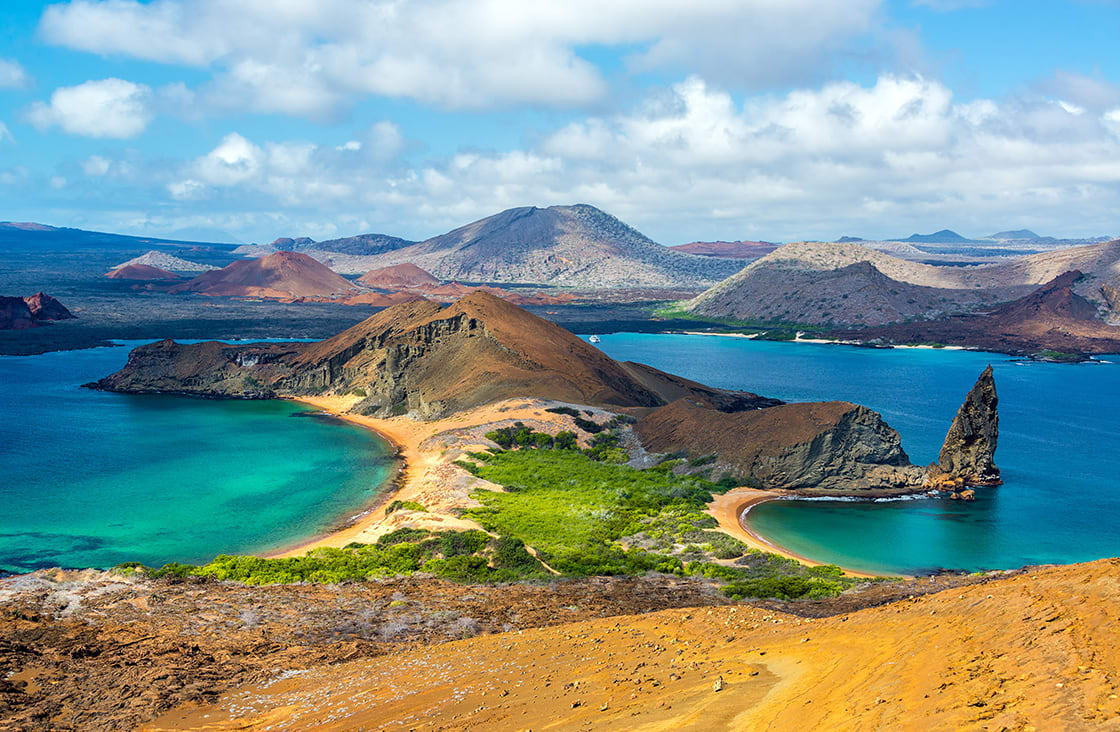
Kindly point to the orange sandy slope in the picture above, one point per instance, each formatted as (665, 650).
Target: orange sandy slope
(1034, 651)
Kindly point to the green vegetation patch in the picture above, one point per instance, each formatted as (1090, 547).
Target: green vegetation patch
(588, 517)
(404, 506)
(462, 556)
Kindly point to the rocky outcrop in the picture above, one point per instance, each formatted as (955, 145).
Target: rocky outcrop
(968, 455)
(825, 447)
(20, 313)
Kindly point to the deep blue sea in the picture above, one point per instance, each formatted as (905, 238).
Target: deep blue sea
(1059, 450)
(90, 479)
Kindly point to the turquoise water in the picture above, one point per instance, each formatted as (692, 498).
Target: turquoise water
(1059, 450)
(89, 479)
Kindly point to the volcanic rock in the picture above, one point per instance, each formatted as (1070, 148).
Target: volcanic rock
(21, 313)
(970, 446)
(15, 315)
(45, 307)
(279, 275)
(815, 446)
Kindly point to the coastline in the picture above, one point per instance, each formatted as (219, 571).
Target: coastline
(420, 464)
(728, 510)
(824, 341)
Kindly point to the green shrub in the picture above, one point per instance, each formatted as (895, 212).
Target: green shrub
(404, 506)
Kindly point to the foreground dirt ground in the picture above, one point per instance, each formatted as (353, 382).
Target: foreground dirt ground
(1036, 650)
(96, 651)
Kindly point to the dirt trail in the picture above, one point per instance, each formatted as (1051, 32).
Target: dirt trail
(1033, 651)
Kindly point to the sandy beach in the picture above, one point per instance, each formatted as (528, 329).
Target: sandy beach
(729, 507)
(428, 451)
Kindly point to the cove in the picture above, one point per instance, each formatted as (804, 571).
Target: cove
(1059, 450)
(92, 479)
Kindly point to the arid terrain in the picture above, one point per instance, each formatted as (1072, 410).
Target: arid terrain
(1033, 650)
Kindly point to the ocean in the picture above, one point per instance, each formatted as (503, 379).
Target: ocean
(91, 479)
(1059, 450)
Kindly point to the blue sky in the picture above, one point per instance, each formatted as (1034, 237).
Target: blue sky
(715, 119)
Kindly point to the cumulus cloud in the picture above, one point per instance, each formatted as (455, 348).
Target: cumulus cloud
(309, 59)
(108, 108)
(5, 133)
(898, 155)
(12, 75)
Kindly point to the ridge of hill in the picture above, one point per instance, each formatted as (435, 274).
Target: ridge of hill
(279, 275)
(945, 236)
(810, 282)
(1052, 317)
(1015, 235)
(571, 246)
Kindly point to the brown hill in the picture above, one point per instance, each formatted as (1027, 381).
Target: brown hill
(821, 446)
(1035, 650)
(141, 272)
(398, 277)
(1053, 317)
(575, 246)
(422, 358)
(279, 275)
(21, 313)
(727, 249)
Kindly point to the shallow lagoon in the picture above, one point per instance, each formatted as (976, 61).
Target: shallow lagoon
(1059, 450)
(93, 479)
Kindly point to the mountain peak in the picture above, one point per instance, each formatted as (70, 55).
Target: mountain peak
(575, 245)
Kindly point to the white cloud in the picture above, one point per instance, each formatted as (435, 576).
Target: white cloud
(111, 108)
(690, 162)
(309, 59)
(5, 133)
(12, 75)
(95, 165)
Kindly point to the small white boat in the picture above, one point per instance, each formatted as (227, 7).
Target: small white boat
(594, 339)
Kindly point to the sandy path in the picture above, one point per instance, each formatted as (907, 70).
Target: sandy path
(1033, 651)
(429, 476)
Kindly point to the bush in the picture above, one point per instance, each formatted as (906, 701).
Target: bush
(404, 506)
